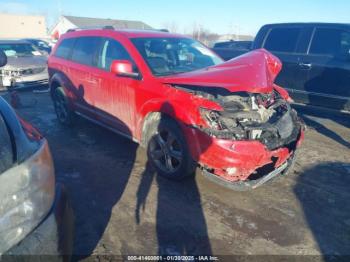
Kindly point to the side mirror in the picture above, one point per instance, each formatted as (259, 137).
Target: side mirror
(3, 58)
(123, 68)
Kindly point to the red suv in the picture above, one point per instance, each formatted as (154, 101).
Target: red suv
(176, 97)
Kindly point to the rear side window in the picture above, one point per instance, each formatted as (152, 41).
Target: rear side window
(84, 50)
(282, 39)
(327, 41)
(6, 153)
(111, 50)
(65, 48)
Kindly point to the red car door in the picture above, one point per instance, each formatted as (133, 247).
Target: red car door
(82, 73)
(115, 97)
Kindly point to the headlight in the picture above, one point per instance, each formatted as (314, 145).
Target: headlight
(229, 125)
(33, 71)
(26, 193)
(211, 117)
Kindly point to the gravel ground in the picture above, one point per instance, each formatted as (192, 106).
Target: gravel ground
(123, 208)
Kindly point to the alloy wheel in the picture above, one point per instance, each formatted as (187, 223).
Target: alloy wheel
(166, 151)
(61, 107)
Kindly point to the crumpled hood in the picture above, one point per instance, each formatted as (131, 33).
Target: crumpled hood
(25, 62)
(253, 72)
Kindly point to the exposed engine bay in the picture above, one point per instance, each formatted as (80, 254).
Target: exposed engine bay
(267, 118)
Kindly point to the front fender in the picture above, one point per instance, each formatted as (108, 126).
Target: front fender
(171, 108)
(180, 106)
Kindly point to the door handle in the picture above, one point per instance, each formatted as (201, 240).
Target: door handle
(306, 66)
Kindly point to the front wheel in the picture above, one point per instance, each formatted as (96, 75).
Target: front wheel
(167, 149)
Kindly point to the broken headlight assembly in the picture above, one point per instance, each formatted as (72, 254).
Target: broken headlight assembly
(240, 119)
(263, 117)
(219, 126)
(27, 193)
(211, 117)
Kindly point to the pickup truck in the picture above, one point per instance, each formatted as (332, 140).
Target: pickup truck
(315, 57)
(230, 49)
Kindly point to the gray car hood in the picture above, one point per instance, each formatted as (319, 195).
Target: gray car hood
(25, 62)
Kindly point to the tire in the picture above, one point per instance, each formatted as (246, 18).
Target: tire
(167, 149)
(64, 114)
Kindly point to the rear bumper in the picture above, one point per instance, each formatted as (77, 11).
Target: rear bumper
(54, 236)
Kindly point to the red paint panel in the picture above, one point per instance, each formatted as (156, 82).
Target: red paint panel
(246, 156)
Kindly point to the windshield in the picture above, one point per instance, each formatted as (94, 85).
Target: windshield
(167, 56)
(12, 50)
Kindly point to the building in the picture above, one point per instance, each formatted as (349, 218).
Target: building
(70, 22)
(22, 26)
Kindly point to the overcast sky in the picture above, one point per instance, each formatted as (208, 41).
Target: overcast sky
(220, 16)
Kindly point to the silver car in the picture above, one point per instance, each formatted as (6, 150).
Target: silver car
(26, 65)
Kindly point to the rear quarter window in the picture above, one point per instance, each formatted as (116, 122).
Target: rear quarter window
(332, 42)
(85, 49)
(65, 48)
(6, 150)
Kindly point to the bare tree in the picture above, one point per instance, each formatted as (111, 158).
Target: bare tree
(171, 26)
(202, 34)
(196, 31)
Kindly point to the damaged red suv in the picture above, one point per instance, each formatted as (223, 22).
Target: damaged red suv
(180, 100)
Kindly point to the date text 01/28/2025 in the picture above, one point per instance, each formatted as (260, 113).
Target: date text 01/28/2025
(172, 258)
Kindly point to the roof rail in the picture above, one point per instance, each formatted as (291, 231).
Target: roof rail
(106, 27)
(109, 27)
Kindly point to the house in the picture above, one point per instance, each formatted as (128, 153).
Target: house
(22, 26)
(70, 22)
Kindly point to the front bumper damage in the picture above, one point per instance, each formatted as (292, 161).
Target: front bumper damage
(254, 174)
(249, 142)
(250, 184)
(243, 165)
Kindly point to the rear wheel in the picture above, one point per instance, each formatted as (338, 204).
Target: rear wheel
(167, 149)
(64, 114)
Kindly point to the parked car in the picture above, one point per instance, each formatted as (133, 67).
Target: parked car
(26, 65)
(230, 49)
(177, 98)
(316, 61)
(35, 214)
(40, 44)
